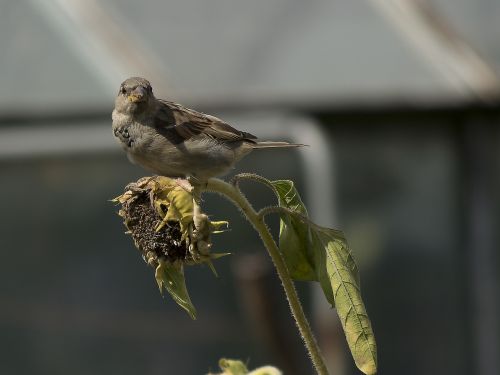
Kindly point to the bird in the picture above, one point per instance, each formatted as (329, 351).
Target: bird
(174, 141)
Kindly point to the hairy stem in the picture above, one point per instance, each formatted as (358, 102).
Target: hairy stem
(250, 176)
(233, 194)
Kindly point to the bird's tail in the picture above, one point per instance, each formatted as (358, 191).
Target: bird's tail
(271, 144)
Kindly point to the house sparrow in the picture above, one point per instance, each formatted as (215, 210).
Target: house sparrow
(174, 141)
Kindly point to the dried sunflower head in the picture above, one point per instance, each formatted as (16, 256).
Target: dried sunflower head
(164, 218)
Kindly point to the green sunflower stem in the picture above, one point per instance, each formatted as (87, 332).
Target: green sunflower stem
(233, 194)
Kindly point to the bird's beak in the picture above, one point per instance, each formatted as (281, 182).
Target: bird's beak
(137, 95)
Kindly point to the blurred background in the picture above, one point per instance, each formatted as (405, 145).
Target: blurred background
(399, 100)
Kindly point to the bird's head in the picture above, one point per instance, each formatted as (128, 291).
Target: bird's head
(134, 96)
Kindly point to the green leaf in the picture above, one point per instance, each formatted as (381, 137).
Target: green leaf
(321, 254)
(321, 238)
(294, 235)
(338, 276)
(170, 276)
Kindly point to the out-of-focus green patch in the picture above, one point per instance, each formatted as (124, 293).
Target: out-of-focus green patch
(236, 367)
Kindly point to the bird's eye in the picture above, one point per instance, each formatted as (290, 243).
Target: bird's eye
(123, 90)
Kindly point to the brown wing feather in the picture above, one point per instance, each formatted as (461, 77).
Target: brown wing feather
(188, 123)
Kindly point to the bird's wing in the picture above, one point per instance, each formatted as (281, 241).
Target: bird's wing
(188, 123)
